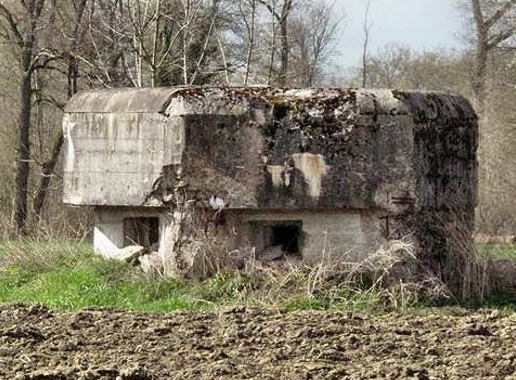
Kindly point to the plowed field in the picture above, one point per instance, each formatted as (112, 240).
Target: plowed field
(37, 343)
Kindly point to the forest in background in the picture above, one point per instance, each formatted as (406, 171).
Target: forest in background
(53, 48)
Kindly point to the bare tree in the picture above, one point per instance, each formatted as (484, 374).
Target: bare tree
(399, 67)
(248, 13)
(367, 31)
(495, 24)
(74, 35)
(313, 32)
(280, 14)
(22, 23)
(285, 42)
(387, 67)
(170, 43)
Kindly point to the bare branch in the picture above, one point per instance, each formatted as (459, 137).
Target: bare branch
(13, 26)
(366, 29)
(500, 13)
(497, 39)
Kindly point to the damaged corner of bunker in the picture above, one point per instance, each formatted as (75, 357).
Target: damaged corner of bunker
(302, 172)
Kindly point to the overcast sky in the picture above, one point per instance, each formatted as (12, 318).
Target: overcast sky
(418, 24)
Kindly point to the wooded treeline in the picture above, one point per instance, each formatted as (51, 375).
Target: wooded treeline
(53, 48)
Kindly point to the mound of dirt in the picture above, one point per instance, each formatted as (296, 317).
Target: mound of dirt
(37, 343)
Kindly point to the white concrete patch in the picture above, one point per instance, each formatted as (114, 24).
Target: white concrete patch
(70, 153)
(169, 234)
(313, 168)
(328, 235)
(216, 202)
(104, 244)
(276, 172)
(112, 132)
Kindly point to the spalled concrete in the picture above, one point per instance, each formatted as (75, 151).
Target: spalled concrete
(352, 167)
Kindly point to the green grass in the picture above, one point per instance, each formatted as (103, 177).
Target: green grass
(69, 276)
(498, 251)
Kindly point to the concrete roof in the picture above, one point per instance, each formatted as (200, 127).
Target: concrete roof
(236, 100)
(134, 100)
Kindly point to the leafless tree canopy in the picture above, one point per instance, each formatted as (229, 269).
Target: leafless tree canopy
(53, 48)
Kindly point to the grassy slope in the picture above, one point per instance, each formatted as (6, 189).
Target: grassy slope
(498, 251)
(68, 275)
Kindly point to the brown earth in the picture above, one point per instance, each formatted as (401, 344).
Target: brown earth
(37, 343)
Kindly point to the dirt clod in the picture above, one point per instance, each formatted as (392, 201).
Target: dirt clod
(40, 344)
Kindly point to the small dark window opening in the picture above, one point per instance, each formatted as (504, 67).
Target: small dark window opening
(141, 231)
(287, 236)
(279, 111)
(268, 236)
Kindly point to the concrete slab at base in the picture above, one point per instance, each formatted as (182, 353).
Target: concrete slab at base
(347, 236)
(112, 230)
(344, 235)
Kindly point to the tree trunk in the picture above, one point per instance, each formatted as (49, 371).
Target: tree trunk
(365, 45)
(48, 167)
(72, 74)
(284, 55)
(250, 26)
(480, 75)
(492, 29)
(23, 146)
(481, 54)
(282, 78)
(46, 175)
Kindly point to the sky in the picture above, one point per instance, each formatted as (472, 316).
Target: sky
(422, 25)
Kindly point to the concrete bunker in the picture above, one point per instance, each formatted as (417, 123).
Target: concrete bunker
(286, 172)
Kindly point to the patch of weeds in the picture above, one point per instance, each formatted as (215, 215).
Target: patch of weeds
(157, 289)
(14, 277)
(502, 301)
(41, 256)
(174, 303)
(357, 299)
(227, 287)
(67, 275)
(70, 288)
(497, 251)
(164, 295)
(305, 303)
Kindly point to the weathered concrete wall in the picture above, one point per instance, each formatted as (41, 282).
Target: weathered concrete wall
(269, 148)
(345, 235)
(446, 139)
(114, 158)
(355, 167)
(315, 149)
(108, 232)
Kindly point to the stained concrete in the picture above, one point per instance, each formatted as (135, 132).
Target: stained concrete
(355, 166)
(334, 235)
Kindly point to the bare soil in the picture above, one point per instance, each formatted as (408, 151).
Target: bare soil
(37, 343)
